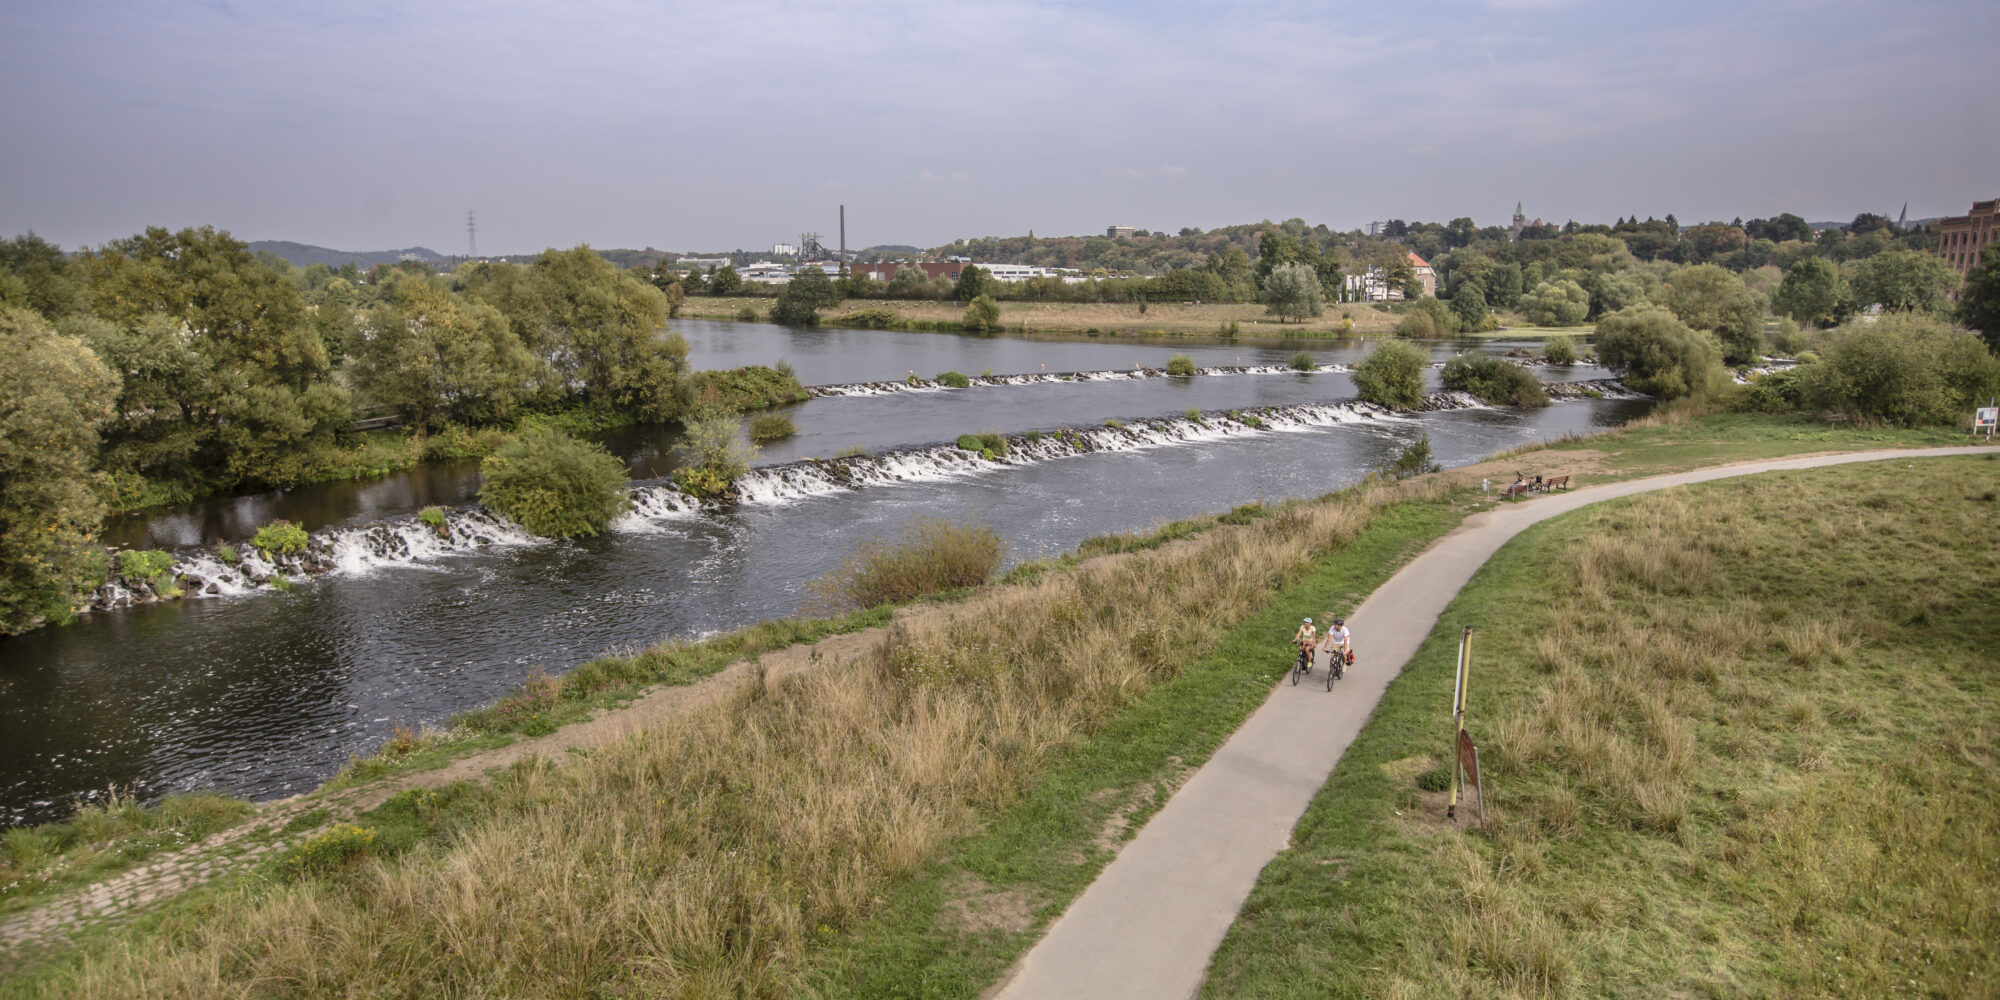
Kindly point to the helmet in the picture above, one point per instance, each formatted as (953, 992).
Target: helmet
(1309, 621)
(1340, 621)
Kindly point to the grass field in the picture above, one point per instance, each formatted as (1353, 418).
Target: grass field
(1106, 318)
(1740, 743)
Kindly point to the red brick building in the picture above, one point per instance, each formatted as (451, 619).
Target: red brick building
(1962, 237)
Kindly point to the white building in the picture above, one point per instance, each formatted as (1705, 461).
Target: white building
(766, 271)
(702, 263)
(1370, 287)
(784, 250)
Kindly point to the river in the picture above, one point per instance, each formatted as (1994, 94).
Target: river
(264, 692)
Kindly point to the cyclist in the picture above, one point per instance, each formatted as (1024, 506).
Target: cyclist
(1340, 642)
(1306, 638)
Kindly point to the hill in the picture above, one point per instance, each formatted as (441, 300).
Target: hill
(306, 255)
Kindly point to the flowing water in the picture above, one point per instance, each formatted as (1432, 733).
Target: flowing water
(263, 692)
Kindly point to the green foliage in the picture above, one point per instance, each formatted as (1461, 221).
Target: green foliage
(1392, 375)
(869, 319)
(1901, 280)
(1292, 292)
(1706, 297)
(227, 553)
(801, 299)
(1469, 304)
(1416, 326)
(1114, 423)
(1979, 301)
(933, 555)
(714, 455)
(955, 380)
(1181, 365)
(1436, 779)
(437, 357)
(1494, 380)
(1655, 353)
(144, 564)
(725, 282)
(553, 484)
(771, 427)
(975, 282)
(739, 390)
(432, 516)
(1413, 460)
(1303, 361)
(1560, 349)
(991, 444)
(54, 395)
(1811, 292)
(1907, 369)
(1778, 391)
(1556, 303)
(280, 537)
(328, 852)
(982, 314)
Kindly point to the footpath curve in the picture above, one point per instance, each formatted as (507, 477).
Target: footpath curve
(1146, 928)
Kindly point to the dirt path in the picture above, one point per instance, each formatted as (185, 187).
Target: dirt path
(1145, 929)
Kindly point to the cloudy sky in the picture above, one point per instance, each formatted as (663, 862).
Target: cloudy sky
(717, 125)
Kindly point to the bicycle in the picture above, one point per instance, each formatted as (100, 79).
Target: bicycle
(1302, 665)
(1336, 659)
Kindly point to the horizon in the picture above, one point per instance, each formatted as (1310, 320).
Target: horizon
(618, 125)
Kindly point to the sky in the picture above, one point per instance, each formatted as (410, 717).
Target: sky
(362, 125)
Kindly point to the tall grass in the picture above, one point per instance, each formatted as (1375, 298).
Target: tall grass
(932, 556)
(706, 856)
(1722, 761)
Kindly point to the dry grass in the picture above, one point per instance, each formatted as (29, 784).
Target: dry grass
(1723, 761)
(705, 858)
(1107, 317)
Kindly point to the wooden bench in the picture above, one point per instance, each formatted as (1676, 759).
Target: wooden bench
(1514, 490)
(1555, 483)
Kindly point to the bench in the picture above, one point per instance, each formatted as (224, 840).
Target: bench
(1555, 483)
(1515, 489)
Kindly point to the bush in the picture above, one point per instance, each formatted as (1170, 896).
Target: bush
(1417, 326)
(1414, 460)
(713, 456)
(433, 516)
(991, 444)
(771, 427)
(1557, 303)
(280, 537)
(956, 380)
(1909, 369)
(1494, 380)
(752, 387)
(1655, 353)
(1303, 361)
(554, 485)
(747, 314)
(933, 555)
(1775, 392)
(328, 852)
(1181, 365)
(982, 314)
(1392, 375)
(144, 564)
(226, 553)
(1560, 349)
(869, 319)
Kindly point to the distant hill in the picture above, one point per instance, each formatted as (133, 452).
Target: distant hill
(306, 255)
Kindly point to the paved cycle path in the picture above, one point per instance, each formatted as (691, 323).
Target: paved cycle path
(1145, 929)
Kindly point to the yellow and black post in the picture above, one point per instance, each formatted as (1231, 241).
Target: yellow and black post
(1458, 718)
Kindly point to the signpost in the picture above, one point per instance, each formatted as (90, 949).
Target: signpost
(1986, 417)
(1461, 743)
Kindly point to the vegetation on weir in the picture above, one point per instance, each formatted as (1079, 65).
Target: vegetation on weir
(554, 485)
(1495, 381)
(931, 556)
(1734, 745)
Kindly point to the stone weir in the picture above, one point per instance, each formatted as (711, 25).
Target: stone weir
(1041, 378)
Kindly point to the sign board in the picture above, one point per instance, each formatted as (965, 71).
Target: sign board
(1986, 416)
(1468, 758)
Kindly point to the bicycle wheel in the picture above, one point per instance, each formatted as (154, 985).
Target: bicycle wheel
(1298, 667)
(1332, 671)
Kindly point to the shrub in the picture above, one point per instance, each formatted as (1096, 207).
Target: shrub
(869, 319)
(553, 484)
(1788, 339)
(1417, 326)
(1392, 375)
(1303, 361)
(713, 456)
(144, 564)
(1181, 365)
(1560, 349)
(982, 314)
(1414, 460)
(1909, 369)
(1558, 303)
(1494, 380)
(226, 553)
(1114, 423)
(771, 427)
(280, 537)
(752, 387)
(956, 380)
(1775, 392)
(1437, 779)
(1193, 415)
(747, 314)
(933, 555)
(327, 852)
(1655, 353)
(991, 444)
(433, 516)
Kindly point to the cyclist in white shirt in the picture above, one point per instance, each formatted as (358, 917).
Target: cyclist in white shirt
(1339, 641)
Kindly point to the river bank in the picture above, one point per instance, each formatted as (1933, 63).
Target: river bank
(1721, 442)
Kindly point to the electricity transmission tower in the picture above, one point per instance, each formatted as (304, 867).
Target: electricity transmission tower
(471, 236)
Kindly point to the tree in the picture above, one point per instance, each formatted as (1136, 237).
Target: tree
(1292, 293)
(1558, 303)
(973, 282)
(1908, 368)
(1393, 375)
(801, 299)
(725, 281)
(41, 275)
(1469, 302)
(1811, 292)
(982, 315)
(54, 394)
(1494, 380)
(554, 485)
(1654, 352)
(1707, 297)
(1979, 301)
(435, 356)
(1905, 280)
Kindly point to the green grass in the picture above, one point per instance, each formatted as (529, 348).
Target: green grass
(102, 839)
(1044, 849)
(1659, 447)
(1737, 745)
